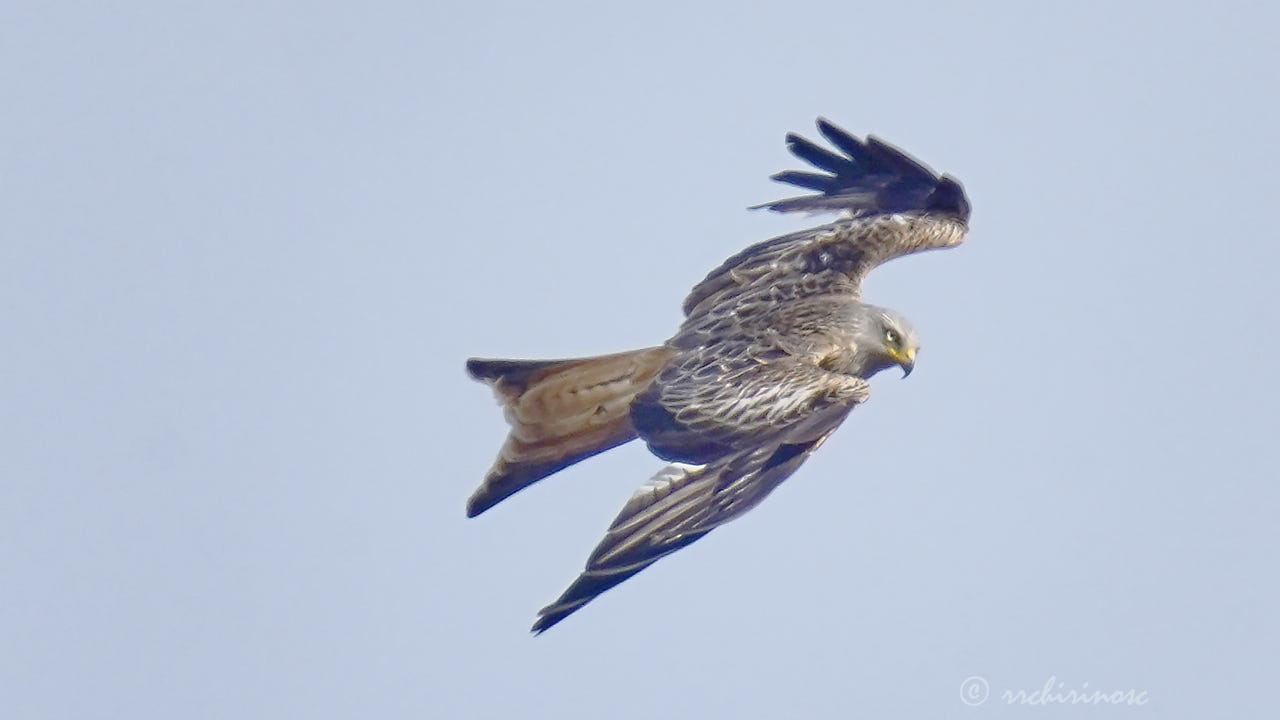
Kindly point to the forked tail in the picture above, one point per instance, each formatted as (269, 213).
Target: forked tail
(560, 412)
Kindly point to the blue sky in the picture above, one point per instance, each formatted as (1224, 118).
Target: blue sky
(246, 248)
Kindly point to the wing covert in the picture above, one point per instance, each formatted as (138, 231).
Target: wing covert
(892, 205)
(709, 403)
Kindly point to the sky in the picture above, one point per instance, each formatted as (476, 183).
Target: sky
(246, 248)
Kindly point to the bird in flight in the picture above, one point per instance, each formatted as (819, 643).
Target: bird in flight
(776, 348)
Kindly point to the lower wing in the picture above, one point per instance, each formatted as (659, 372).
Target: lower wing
(677, 507)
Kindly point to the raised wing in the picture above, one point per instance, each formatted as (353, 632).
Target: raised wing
(678, 506)
(871, 177)
(892, 205)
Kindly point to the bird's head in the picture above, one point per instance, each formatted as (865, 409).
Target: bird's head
(884, 339)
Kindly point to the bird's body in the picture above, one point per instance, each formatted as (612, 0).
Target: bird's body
(776, 349)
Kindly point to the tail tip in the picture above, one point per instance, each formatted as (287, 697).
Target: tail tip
(480, 369)
(478, 503)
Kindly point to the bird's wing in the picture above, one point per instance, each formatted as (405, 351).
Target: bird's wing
(867, 177)
(679, 505)
(892, 206)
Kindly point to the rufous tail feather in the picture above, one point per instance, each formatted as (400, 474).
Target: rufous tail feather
(560, 412)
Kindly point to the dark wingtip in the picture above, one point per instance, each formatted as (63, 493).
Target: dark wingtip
(949, 199)
(587, 587)
(871, 177)
(546, 622)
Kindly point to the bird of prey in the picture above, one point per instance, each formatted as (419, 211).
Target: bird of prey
(776, 348)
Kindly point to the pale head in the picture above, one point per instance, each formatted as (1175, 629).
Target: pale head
(882, 339)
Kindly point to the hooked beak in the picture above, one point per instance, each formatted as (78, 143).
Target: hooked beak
(906, 360)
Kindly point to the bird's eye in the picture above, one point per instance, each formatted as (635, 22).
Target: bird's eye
(891, 337)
